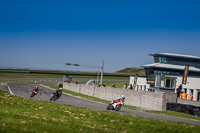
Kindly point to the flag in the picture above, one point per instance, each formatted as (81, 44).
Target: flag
(185, 74)
(135, 81)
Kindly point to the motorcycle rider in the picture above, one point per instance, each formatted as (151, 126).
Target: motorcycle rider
(35, 90)
(121, 99)
(59, 92)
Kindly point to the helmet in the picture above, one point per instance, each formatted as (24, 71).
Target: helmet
(60, 89)
(123, 97)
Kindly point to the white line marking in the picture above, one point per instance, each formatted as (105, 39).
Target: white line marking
(9, 88)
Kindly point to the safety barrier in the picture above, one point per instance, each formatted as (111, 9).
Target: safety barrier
(143, 99)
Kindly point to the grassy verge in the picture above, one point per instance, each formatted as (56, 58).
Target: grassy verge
(84, 79)
(18, 81)
(29, 75)
(118, 84)
(168, 113)
(28, 115)
(32, 75)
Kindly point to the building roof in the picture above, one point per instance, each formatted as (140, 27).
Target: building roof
(176, 55)
(170, 66)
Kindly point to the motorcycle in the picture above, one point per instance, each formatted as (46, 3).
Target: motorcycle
(33, 93)
(54, 96)
(117, 107)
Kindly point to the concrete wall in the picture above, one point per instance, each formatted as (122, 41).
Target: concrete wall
(142, 99)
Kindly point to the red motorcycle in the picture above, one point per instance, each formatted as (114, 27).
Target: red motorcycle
(33, 93)
(115, 105)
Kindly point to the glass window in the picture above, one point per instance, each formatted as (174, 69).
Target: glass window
(162, 59)
(156, 59)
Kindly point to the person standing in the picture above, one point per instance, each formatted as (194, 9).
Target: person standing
(191, 97)
(178, 91)
(125, 86)
(131, 87)
(184, 95)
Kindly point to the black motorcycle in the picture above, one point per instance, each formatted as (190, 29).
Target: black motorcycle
(55, 96)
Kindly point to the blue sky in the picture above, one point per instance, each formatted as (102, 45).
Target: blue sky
(47, 33)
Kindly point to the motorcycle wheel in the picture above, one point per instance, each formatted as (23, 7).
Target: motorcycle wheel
(32, 95)
(118, 107)
(108, 107)
(54, 98)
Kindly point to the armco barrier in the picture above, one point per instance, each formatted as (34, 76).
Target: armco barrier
(143, 99)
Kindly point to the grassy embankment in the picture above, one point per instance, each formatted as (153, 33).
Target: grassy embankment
(28, 115)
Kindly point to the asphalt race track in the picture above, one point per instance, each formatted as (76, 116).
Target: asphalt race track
(24, 90)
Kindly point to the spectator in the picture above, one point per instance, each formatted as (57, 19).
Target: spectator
(104, 85)
(99, 85)
(184, 95)
(191, 97)
(125, 86)
(60, 85)
(131, 87)
(178, 91)
(113, 86)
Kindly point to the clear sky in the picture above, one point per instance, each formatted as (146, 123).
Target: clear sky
(48, 33)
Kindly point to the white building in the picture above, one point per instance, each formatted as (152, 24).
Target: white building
(166, 74)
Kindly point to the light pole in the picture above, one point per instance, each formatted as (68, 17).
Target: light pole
(99, 67)
(102, 72)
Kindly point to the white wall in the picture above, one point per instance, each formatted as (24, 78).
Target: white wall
(141, 82)
(193, 83)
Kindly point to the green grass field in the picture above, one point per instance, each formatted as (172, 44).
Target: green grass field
(28, 115)
(29, 75)
(84, 79)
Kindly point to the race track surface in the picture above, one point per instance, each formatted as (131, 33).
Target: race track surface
(24, 90)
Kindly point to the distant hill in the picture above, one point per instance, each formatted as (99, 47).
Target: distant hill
(61, 72)
(121, 73)
(132, 71)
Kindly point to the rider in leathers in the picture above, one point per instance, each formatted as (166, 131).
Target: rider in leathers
(118, 99)
(59, 92)
(36, 89)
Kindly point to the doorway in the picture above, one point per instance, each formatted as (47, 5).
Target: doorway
(198, 95)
